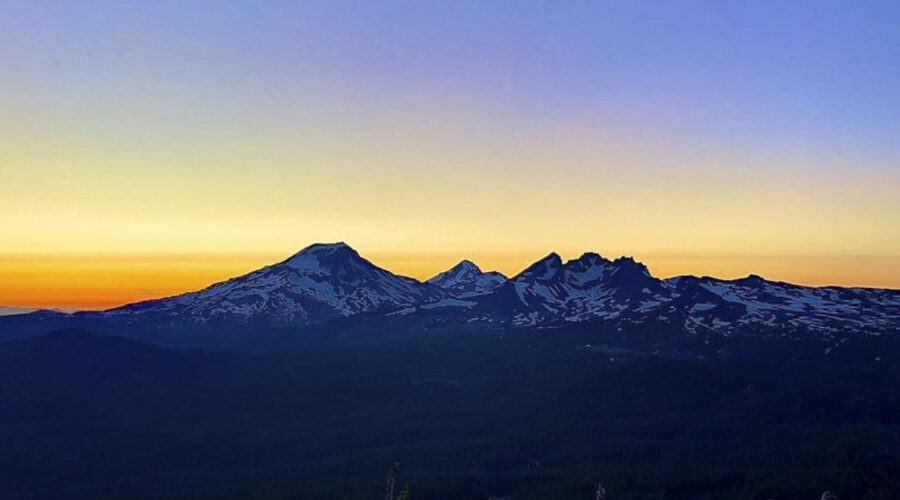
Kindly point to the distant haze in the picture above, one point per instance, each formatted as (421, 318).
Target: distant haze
(8, 311)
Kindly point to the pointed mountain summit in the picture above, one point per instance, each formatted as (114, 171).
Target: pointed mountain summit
(590, 286)
(542, 270)
(466, 279)
(590, 274)
(318, 283)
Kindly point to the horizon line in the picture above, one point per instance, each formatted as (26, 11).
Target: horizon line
(84, 306)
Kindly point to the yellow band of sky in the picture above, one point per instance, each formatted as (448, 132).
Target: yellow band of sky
(99, 281)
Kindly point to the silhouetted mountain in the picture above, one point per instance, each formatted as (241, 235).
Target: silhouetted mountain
(7, 310)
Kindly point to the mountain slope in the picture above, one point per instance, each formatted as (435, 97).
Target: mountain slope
(90, 362)
(753, 303)
(319, 283)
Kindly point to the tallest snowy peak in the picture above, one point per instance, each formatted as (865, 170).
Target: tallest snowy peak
(319, 257)
(326, 248)
(319, 283)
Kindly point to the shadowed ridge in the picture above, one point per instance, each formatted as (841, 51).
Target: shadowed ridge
(543, 269)
(70, 341)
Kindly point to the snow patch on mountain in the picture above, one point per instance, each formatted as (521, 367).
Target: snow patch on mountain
(467, 280)
(331, 281)
(321, 282)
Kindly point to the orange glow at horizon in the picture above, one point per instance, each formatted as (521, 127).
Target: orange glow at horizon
(101, 281)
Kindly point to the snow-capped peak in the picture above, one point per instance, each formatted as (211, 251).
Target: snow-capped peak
(464, 269)
(320, 256)
(467, 279)
(320, 282)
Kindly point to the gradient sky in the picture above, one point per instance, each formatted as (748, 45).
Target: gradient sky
(148, 148)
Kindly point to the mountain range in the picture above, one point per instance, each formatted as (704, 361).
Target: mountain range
(327, 283)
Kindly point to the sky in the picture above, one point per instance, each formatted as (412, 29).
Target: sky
(150, 148)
